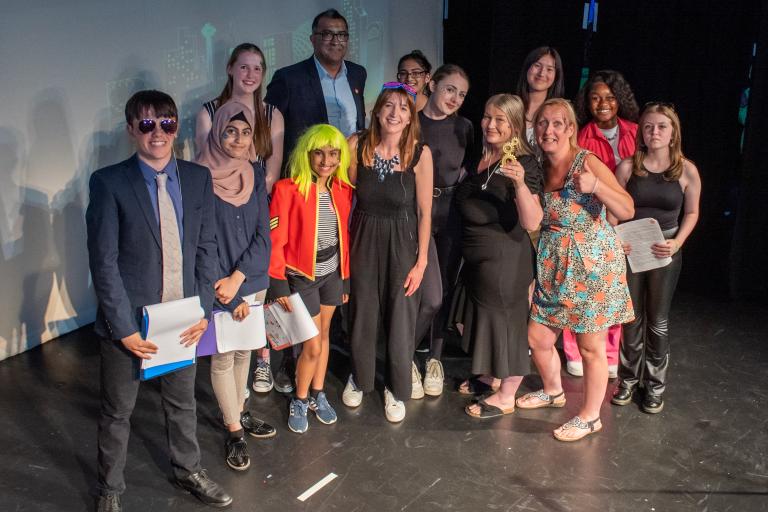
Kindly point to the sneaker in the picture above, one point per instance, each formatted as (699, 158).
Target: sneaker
(322, 409)
(108, 503)
(434, 377)
(237, 454)
(575, 368)
(297, 416)
(394, 409)
(255, 427)
(352, 396)
(417, 390)
(246, 395)
(284, 377)
(613, 371)
(262, 377)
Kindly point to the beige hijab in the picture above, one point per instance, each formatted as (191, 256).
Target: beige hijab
(233, 178)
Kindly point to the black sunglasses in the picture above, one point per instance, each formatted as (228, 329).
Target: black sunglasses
(169, 126)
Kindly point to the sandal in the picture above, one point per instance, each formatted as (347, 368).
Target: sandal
(475, 386)
(487, 410)
(539, 399)
(576, 428)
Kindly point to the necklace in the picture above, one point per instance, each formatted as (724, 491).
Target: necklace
(383, 167)
(611, 133)
(490, 175)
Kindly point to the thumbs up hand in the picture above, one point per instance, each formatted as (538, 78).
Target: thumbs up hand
(585, 181)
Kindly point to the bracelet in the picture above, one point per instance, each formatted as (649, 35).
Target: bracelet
(597, 182)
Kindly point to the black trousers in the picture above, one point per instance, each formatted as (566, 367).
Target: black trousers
(644, 351)
(440, 276)
(383, 251)
(119, 389)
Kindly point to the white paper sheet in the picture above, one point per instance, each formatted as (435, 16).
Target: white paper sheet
(641, 234)
(165, 322)
(248, 334)
(292, 328)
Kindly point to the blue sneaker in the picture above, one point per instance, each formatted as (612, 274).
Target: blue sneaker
(297, 417)
(322, 409)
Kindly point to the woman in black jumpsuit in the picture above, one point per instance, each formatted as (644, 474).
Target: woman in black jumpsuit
(390, 229)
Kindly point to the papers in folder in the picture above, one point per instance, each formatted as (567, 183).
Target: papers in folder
(286, 329)
(247, 334)
(163, 325)
(641, 234)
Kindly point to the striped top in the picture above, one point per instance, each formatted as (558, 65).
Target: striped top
(327, 259)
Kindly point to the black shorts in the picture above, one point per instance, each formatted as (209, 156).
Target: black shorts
(326, 290)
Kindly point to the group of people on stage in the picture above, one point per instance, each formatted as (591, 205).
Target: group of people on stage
(401, 222)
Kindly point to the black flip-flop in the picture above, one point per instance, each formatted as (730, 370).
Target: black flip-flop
(488, 411)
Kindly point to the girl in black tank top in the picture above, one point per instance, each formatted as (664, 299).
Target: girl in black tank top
(662, 195)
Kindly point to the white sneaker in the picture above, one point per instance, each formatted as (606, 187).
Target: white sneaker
(575, 368)
(417, 390)
(352, 397)
(393, 409)
(433, 378)
(613, 371)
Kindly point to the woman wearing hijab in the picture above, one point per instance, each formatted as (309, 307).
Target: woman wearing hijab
(242, 233)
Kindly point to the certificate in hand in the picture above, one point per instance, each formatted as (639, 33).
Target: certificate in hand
(163, 325)
(286, 329)
(641, 234)
(247, 334)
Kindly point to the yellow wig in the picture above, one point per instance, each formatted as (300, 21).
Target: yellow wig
(316, 137)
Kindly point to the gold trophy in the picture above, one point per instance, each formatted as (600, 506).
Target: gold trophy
(509, 149)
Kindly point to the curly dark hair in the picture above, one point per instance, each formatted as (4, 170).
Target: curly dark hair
(628, 108)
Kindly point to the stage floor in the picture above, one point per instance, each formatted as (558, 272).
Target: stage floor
(705, 452)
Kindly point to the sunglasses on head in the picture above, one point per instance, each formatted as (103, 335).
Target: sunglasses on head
(650, 104)
(169, 126)
(399, 85)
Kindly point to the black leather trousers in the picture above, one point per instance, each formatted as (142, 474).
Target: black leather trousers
(644, 351)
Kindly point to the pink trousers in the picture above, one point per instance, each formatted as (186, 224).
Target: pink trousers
(571, 349)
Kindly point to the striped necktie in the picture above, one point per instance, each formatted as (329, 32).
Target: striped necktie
(173, 281)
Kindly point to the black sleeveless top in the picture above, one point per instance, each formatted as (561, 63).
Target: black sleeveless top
(395, 196)
(656, 198)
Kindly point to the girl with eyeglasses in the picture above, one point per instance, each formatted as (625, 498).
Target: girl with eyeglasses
(246, 69)
(450, 139)
(414, 69)
(392, 171)
(662, 183)
(607, 112)
(242, 234)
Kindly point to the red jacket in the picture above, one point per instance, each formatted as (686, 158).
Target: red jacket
(293, 229)
(591, 138)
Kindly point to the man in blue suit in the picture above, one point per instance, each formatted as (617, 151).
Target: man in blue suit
(322, 89)
(126, 254)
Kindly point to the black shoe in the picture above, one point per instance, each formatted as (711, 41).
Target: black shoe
(284, 377)
(237, 454)
(255, 427)
(203, 488)
(108, 503)
(622, 396)
(652, 404)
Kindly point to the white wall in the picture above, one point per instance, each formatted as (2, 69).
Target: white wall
(66, 70)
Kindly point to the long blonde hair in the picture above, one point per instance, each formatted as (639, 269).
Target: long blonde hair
(514, 110)
(408, 138)
(676, 157)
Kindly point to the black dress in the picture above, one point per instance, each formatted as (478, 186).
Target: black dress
(384, 244)
(499, 263)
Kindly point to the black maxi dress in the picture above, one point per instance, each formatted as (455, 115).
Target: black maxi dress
(384, 246)
(499, 263)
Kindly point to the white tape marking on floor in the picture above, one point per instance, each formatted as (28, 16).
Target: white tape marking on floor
(319, 485)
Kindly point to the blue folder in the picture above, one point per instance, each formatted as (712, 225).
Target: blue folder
(163, 369)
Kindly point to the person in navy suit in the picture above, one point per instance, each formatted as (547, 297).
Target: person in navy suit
(325, 88)
(126, 262)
